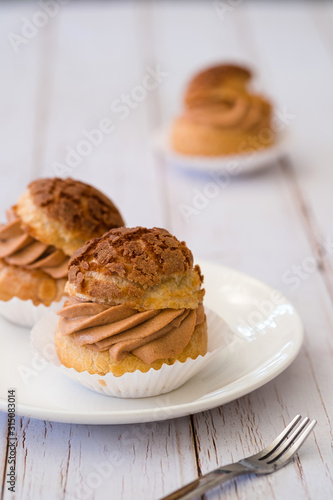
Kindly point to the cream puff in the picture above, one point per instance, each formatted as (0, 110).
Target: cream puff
(135, 303)
(222, 116)
(50, 221)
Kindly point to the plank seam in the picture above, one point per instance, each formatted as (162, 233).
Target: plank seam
(44, 85)
(3, 485)
(310, 226)
(196, 450)
(145, 31)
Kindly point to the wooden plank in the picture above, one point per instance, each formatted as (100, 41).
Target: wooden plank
(305, 40)
(92, 75)
(79, 461)
(18, 97)
(3, 449)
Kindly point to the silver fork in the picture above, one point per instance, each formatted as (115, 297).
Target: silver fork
(270, 459)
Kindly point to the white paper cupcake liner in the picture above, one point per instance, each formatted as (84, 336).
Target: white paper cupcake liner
(137, 384)
(25, 313)
(230, 165)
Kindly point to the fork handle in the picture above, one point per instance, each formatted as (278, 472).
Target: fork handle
(206, 482)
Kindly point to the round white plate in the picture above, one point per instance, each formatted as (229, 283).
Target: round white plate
(268, 334)
(231, 165)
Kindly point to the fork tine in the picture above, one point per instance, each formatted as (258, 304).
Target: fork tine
(285, 457)
(288, 442)
(279, 440)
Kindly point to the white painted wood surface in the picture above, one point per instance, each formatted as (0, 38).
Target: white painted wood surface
(63, 81)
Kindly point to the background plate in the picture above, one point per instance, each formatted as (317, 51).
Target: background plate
(268, 336)
(233, 165)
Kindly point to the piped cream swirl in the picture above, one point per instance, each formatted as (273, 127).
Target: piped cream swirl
(231, 110)
(149, 335)
(20, 249)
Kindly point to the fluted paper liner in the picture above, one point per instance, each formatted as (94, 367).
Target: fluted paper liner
(24, 312)
(136, 384)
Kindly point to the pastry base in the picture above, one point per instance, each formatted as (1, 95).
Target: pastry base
(27, 284)
(82, 358)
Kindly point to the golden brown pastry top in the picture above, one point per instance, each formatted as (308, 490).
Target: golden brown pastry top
(206, 84)
(76, 203)
(143, 256)
(66, 212)
(143, 268)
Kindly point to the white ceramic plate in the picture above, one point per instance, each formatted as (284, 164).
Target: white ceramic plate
(268, 336)
(228, 164)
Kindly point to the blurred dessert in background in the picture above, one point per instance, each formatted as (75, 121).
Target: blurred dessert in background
(222, 116)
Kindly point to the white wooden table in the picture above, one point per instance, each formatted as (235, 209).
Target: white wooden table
(61, 79)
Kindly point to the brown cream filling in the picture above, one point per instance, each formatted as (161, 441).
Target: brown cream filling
(20, 249)
(149, 335)
(230, 110)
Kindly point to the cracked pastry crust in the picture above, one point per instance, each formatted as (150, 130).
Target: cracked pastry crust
(142, 268)
(81, 358)
(29, 284)
(66, 213)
